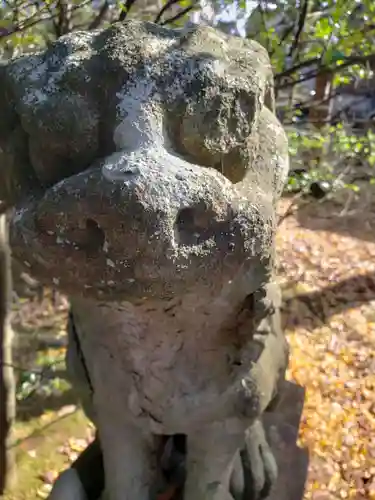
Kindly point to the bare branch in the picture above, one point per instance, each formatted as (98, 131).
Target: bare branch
(37, 18)
(323, 69)
(180, 14)
(301, 24)
(167, 6)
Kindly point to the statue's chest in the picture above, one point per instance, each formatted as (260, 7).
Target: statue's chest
(161, 362)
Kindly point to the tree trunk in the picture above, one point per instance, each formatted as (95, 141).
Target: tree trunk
(320, 110)
(319, 114)
(7, 383)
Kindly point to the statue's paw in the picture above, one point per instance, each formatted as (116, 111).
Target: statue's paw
(68, 486)
(258, 464)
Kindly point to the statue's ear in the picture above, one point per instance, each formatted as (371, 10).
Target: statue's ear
(215, 123)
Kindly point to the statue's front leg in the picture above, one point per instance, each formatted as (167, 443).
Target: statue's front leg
(255, 470)
(130, 460)
(210, 456)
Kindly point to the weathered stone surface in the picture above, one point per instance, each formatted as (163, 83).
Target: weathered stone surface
(158, 162)
(128, 150)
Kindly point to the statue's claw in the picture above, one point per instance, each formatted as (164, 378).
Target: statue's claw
(259, 464)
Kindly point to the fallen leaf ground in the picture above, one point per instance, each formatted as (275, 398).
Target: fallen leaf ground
(328, 277)
(327, 271)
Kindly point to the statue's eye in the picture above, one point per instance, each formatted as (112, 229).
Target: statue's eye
(218, 122)
(66, 145)
(213, 127)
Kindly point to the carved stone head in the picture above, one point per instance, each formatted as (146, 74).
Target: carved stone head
(142, 161)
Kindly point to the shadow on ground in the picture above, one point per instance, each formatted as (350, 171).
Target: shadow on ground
(329, 301)
(37, 404)
(329, 215)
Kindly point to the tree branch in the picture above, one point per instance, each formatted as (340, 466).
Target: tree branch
(64, 18)
(36, 19)
(324, 69)
(99, 18)
(263, 17)
(301, 24)
(310, 104)
(125, 11)
(179, 15)
(297, 67)
(167, 6)
(53, 18)
(288, 30)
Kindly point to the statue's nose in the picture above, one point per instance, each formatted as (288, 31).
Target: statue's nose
(170, 195)
(142, 218)
(137, 199)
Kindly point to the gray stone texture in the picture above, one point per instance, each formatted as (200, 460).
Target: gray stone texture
(144, 165)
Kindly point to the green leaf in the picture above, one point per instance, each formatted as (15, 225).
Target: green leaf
(323, 28)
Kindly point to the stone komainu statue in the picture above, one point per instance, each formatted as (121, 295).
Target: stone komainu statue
(144, 165)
